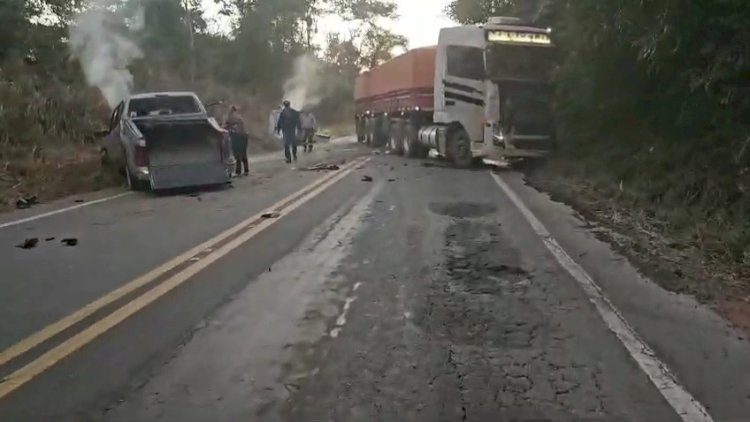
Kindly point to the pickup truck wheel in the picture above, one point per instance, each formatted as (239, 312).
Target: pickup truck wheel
(459, 149)
(133, 183)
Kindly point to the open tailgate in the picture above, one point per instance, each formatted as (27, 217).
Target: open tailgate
(184, 152)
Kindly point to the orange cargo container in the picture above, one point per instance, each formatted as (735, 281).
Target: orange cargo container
(405, 82)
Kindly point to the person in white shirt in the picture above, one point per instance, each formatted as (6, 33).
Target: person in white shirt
(309, 126)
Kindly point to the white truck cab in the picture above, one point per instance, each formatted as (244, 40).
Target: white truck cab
(492, 88)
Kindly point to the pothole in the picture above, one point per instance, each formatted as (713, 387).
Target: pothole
(462, 209)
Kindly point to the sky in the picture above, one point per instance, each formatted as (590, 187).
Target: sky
(419, 21)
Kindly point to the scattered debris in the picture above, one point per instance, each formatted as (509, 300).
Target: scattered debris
(376, 152)
(323, 167)
(428, 164)
(393, 168)
(195, 195)
(27, 202)
(79, 201)
(29, 243)
(49, 239)
(360, 167)
(366, 179)
(71, 241)
(391, 180)
(271, 214)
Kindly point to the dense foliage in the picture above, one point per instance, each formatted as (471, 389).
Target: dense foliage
(654, 97)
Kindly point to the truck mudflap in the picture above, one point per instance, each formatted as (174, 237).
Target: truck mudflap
(192, 174)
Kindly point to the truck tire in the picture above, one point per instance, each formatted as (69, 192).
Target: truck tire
(380, 132)
(411, 146)
(360, 128)
(369, 131)
(459, 149)
(396, 143)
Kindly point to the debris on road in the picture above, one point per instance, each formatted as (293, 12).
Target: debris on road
(271, 214)
(29, 243)
(391, 180)
(366, 179)
(79, 201)
(49, 239)
(71, 241)
(322, 167)
(27, 202)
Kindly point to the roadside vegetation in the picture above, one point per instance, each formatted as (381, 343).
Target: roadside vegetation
(63, 63)
(653, 108)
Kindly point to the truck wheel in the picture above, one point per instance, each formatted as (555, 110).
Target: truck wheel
(369, 131)
(396, 143)
(380, 134)
(459, 149)
(411, 146)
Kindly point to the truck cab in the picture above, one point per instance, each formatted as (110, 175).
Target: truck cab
(492, 86)
(482, 93)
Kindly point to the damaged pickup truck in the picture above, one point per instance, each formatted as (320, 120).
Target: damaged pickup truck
(165, 141)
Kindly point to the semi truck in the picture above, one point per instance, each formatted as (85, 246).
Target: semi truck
(482, 93)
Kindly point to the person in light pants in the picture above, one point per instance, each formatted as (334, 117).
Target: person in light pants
(309, 126)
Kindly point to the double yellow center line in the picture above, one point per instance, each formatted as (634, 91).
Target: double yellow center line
(166, 277)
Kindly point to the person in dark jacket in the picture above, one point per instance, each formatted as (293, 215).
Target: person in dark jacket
(236, 127)
(289, 125)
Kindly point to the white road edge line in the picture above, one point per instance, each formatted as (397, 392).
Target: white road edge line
(686, 406)
(63, 210)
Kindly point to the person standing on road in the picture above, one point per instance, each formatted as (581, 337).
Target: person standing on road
(238, 136)
(289, 125)
(309, 126)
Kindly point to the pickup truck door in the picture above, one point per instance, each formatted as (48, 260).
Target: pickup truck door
(113, 140)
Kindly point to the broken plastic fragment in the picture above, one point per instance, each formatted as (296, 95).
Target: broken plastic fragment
(29, 243)
(71, 241)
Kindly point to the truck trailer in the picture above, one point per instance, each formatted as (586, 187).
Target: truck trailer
(482, 93)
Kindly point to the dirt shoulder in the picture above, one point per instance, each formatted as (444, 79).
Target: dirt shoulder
(671, 254)
(42, 180)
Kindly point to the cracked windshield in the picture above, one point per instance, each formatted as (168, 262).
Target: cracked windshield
(374, 210)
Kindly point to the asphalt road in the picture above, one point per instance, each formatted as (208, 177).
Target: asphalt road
(425, 294)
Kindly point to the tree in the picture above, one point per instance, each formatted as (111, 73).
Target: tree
(13, 21)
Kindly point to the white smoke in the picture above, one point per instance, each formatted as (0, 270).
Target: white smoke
(98, 41)
(309, 84)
